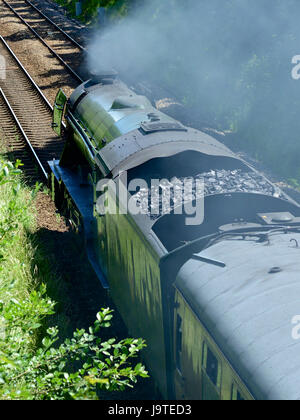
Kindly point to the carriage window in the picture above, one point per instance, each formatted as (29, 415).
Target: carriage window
(212, 367)
(239, 397)
(211, 377)
(178, 341)
(236, 394)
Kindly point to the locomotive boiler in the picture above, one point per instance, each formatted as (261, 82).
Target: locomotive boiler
(214, 300)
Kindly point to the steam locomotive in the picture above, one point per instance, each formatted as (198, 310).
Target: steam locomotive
(213, 300)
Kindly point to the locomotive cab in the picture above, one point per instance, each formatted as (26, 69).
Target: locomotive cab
(58, 112)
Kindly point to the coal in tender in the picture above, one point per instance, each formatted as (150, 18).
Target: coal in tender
(172, 194)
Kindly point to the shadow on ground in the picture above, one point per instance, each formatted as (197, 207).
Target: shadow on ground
(79, 296)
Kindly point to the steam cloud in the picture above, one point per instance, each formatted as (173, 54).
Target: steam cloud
(228, 60)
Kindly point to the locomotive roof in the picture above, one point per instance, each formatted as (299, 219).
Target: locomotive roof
(248, 309)
(129, 131)
(136, 147)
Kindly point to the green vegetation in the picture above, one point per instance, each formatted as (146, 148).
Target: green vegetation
(115, 8)
(32, 363)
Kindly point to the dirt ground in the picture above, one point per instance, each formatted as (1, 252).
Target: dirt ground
(46, 70)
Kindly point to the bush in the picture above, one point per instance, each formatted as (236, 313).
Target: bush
(115, 8)
(74, 370)
(34, 367)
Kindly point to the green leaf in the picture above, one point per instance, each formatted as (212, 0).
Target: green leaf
(94, 381)
(35, 326)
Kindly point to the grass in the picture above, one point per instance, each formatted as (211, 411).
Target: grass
(25, 263)
(37, 362)
(16, 276)
(20, 255)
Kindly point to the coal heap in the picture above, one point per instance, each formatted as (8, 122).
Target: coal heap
(172, 193)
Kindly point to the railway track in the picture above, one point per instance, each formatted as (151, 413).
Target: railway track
(16, 140)
(26, 116)
(61, 45)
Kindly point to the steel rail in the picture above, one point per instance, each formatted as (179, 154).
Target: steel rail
(28, 143)
(56, 26)
(75, 75)
(36, 141)
(21, 67)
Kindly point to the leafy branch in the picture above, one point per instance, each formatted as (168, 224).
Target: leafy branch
(73, 370)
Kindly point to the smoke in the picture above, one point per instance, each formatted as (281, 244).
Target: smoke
(228, 61)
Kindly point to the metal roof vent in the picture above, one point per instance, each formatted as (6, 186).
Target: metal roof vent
(282, 218)
(153, 127)
(125, 102)
(275, 270)
(153, 117)
(277, 218)
(104, 77)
